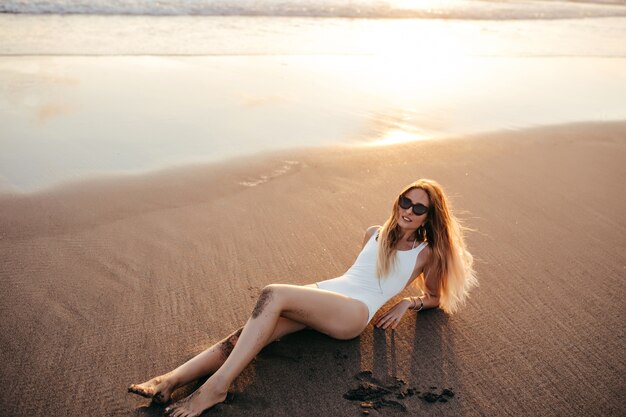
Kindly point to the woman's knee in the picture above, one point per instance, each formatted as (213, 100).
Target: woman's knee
(270, 294)
(347, 333)
(275, 292)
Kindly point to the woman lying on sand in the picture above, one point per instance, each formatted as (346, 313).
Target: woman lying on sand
(420, 241)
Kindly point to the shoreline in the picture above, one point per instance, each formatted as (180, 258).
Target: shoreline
(97, 274)
(71, 117)
(265, 165)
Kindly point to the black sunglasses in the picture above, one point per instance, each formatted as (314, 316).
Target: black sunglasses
(418, 208)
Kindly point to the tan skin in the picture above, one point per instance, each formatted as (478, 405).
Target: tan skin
(409, 222)
(281, 310)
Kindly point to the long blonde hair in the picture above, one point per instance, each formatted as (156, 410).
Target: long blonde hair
(450, 262)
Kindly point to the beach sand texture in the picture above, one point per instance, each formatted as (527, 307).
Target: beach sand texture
(111, 282)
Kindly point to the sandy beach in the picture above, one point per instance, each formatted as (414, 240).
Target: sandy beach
(112, 281)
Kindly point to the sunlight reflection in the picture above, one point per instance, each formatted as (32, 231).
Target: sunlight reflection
(396, 136)
(417, 53)
(416, 68)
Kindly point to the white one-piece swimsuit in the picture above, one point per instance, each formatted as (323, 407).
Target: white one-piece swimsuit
(361, 282)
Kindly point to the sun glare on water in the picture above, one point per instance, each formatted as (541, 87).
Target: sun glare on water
(413, 66)
(397, 136)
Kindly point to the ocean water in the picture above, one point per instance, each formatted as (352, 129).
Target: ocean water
(447, 9)
(91, 88)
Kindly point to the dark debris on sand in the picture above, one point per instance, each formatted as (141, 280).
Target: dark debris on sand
(371, 393)
(380, 403)
(433, 397)
(366, 392)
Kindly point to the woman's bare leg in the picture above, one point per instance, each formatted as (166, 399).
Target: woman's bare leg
(330, 313)
(161, 387)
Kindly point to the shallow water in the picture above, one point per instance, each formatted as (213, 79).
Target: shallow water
(150, 92)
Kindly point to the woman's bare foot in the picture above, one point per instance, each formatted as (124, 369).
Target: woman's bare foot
(204, 398)
(159, 388)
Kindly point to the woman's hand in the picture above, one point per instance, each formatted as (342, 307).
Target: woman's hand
(392, 317)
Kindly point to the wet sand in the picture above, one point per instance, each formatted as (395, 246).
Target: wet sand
(110, 282)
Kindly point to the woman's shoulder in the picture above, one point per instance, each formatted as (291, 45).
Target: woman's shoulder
(371, 230)
(425, 252)
(368, 233)
(424, 255)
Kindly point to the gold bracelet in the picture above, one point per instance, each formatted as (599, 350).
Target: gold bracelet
(421, 304)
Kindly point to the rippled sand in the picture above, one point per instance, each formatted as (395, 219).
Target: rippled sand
(109, 282)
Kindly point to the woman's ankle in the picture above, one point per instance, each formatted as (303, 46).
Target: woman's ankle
(172, 379)
(219, 384)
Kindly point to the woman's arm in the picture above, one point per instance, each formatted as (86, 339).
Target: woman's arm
(430, 299)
